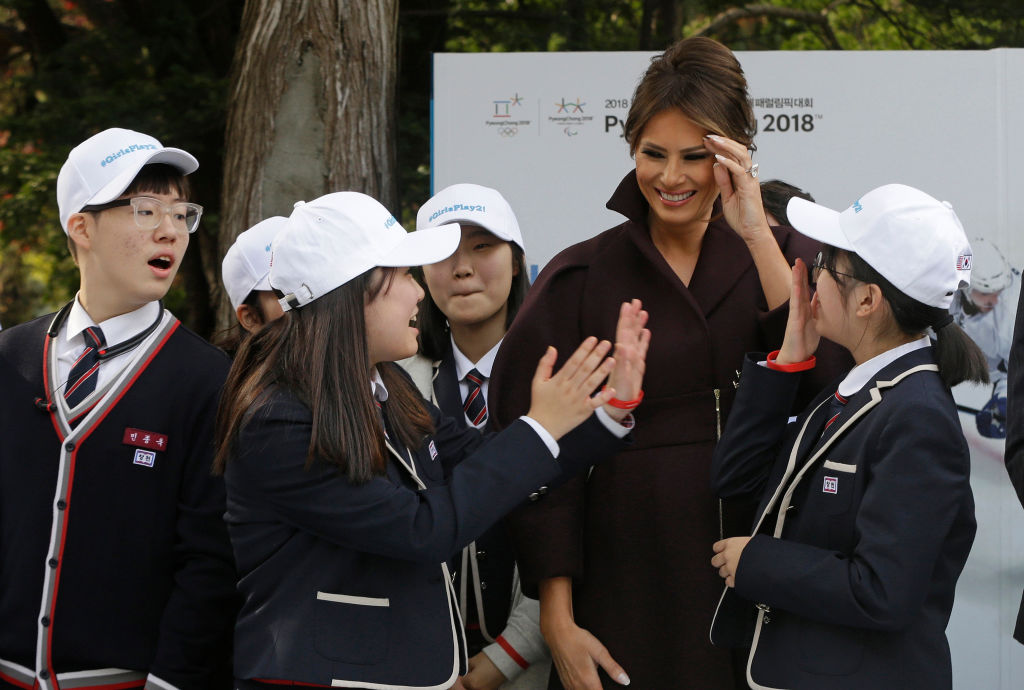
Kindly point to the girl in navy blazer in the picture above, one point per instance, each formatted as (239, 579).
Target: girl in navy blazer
(866, 515)
(346, 490)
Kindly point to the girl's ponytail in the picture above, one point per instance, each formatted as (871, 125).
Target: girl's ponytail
(958, 357)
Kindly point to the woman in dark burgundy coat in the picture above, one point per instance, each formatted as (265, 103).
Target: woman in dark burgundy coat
(619, 556)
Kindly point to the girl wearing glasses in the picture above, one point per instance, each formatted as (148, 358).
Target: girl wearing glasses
(865, 515)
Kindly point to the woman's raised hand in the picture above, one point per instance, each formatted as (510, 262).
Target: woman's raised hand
(802, 337)
(741, 191)
(631, 342)
(562, 401)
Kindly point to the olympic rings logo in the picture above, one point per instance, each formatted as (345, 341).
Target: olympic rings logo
(508, 131)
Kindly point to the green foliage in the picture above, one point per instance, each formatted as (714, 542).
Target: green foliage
(70, 69)
(73, 69)
(872, 25)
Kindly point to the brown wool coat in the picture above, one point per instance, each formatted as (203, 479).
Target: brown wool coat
(636, 534)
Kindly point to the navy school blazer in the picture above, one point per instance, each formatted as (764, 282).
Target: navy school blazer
(848, 580)
(346, 584)
(492, 555)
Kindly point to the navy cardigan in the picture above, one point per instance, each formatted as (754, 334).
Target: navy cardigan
(118, 538)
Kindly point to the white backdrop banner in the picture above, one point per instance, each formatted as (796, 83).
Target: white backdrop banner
(546, 130)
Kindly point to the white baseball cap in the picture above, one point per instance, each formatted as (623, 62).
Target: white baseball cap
(246, 265)
(913, 240)
(100, 168)
(471, 204)
(331, 240)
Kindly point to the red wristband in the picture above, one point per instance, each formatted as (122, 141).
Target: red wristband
(795, 366)
(625, 404)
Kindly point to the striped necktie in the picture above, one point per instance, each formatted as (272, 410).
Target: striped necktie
(835, 408)
(475, 406)
(84, 372)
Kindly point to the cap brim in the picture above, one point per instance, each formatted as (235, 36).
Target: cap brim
(177, 158)
(481, 223)
(426, 246)
(817, 222)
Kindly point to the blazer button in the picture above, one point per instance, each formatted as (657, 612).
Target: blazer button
(535, 496)
(480, 554)
(61, 504)
(45, 621)
(483, 585)
(542, 490)
(44, 674)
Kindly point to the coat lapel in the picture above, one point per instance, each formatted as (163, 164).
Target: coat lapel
(446, 388)
(406, 461)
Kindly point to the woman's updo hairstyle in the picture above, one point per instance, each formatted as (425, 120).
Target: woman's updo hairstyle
(704, 80)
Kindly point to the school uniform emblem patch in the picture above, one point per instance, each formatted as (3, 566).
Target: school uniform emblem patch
(433, 450)
(146, 458)
(831, 485)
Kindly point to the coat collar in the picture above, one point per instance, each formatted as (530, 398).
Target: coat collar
(724, 257)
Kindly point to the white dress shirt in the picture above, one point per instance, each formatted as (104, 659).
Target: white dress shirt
(70, 341)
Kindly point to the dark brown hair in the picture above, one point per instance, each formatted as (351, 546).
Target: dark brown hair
(958, 357)
(433, 324)
(704, 80)
(319, 354)
(231, 337)
(161, 179)
(775, 196)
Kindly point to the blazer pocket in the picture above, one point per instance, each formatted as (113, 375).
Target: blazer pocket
(351, 629)
(836, 483)
(830, 650)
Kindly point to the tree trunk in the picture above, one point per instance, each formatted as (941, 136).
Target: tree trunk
(311, 111)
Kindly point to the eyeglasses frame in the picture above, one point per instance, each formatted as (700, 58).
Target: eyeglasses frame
(817, 267)
(119, 203)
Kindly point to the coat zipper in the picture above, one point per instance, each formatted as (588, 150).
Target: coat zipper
(718, 437)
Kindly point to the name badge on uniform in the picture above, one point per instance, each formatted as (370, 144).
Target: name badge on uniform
(433, 450)
(831, 485)
(140, 438)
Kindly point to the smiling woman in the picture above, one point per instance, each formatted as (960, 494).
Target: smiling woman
(611, 555)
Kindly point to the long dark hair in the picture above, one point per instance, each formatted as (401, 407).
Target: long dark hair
(958, 357)
(433, 324)
(319, 354)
